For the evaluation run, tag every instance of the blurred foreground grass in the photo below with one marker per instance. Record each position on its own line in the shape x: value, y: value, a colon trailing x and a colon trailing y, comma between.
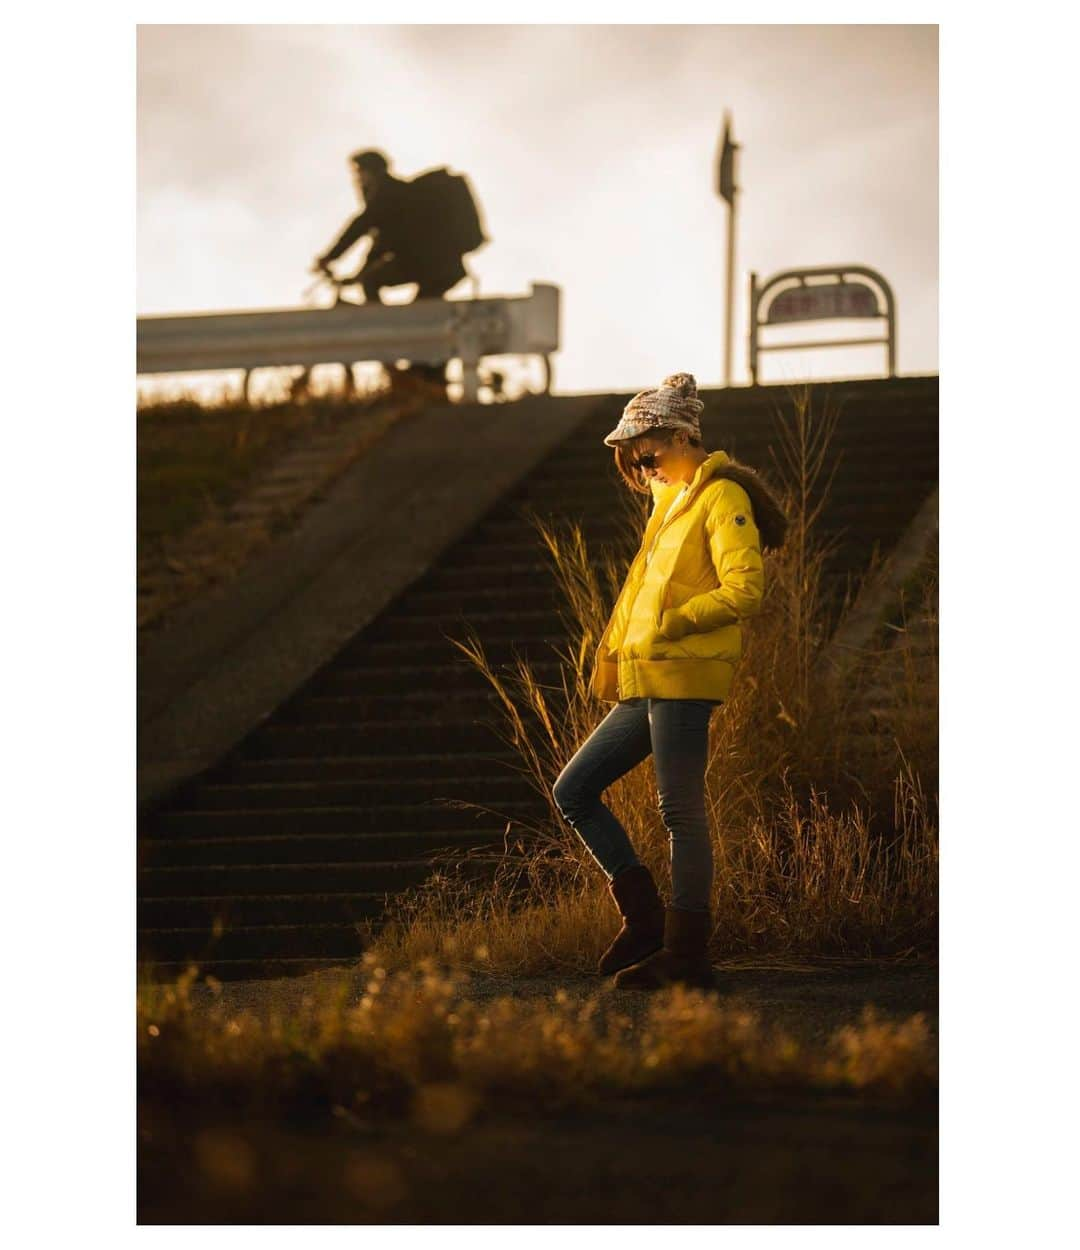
x: 421, y: 1043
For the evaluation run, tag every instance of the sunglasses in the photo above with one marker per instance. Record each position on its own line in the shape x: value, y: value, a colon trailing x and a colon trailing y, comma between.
x: 649, y: 459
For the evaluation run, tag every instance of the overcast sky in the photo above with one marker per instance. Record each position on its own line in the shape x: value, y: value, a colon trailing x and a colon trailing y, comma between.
x: 591, y: 149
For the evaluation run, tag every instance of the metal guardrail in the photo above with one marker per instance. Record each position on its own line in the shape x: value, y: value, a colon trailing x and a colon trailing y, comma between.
x: 428, y: 331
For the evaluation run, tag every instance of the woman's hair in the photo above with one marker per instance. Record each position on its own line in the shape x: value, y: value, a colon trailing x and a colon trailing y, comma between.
x: 625, y: 456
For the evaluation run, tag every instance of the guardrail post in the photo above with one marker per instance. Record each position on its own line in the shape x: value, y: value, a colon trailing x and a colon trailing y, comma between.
x: 470, y: 379
x: 468, y: 346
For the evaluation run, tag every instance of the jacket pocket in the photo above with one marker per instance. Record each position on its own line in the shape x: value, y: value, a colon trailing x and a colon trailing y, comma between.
x: 724, y: 643
x: 664, y: 603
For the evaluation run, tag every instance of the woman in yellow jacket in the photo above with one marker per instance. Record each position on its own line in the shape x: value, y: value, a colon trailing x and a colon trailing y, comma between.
x: 666, y: 659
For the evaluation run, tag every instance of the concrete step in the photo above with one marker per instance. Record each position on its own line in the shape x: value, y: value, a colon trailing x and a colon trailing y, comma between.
x: 253, y: 942
x: 448, y: 708
x: 216, y: 880
x: 498, y: 648
x: 514, y: 622
x: 374, y: 791
x: 591, y: 500
x: 490, y: 628
x: 372, y: 679
x: 419, y: 816
x: 602, y: 527
x: 592, y: 492
x: 315, y: 848
x: 527, y: 552
x: 397, y: 738
x: 352, y: 767
x: 535, y: 571
x: 494, y: 596
x: 268, y: 909
x: 167, y: 971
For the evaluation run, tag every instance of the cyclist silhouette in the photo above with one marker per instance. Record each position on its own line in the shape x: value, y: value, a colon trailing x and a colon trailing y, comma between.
x: 419, y: 229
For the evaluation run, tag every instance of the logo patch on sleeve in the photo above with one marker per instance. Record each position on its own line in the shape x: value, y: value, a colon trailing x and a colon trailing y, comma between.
x: 740, y: 519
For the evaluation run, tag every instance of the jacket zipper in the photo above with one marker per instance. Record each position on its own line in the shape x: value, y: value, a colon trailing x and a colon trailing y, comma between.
x: 671, y: 516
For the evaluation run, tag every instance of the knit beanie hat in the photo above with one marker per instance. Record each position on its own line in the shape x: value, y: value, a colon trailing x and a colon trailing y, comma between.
x: 672, y: 405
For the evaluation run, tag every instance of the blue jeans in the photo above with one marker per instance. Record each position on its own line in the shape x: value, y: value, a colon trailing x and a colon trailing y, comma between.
x: 676, y: 733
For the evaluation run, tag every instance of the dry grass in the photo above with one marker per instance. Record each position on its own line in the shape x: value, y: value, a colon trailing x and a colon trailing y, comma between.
x: 419, y: 1043
x: 197, y: 459
x: 195, y: 456
x: 825, y: 837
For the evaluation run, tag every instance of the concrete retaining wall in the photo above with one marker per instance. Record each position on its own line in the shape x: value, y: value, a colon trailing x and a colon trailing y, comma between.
x: 223, y: 663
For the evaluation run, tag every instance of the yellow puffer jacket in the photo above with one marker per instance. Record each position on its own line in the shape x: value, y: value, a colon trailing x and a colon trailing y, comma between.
x: 674, y: 631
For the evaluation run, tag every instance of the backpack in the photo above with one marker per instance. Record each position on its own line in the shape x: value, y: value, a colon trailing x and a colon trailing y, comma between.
x: 444, y: 213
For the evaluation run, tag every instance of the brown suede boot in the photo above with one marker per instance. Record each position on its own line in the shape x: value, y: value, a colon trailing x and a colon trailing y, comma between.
x: 642, y: 910
x: 684, y: 957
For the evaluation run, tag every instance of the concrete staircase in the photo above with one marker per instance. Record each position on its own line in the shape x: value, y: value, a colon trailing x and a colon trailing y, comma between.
x: 336, y: 800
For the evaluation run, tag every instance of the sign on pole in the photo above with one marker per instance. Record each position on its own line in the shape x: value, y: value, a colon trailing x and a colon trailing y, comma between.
x: 725, y: 166
x: 823, y: 303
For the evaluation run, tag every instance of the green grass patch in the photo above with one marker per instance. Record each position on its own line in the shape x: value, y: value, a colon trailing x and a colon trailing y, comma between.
x: 191, y: 457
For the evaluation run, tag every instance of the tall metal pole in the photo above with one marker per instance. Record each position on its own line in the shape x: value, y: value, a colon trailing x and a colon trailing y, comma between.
x: 727, y: 190
x: 729, y: 315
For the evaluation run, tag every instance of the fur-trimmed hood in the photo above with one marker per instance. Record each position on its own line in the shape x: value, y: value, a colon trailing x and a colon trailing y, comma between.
x: 769, y: 515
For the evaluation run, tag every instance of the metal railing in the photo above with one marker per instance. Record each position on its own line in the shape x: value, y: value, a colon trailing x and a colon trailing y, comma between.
x: 429, y: 331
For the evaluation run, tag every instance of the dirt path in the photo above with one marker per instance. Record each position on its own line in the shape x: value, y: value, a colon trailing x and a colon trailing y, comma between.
x: 810, y: 1003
